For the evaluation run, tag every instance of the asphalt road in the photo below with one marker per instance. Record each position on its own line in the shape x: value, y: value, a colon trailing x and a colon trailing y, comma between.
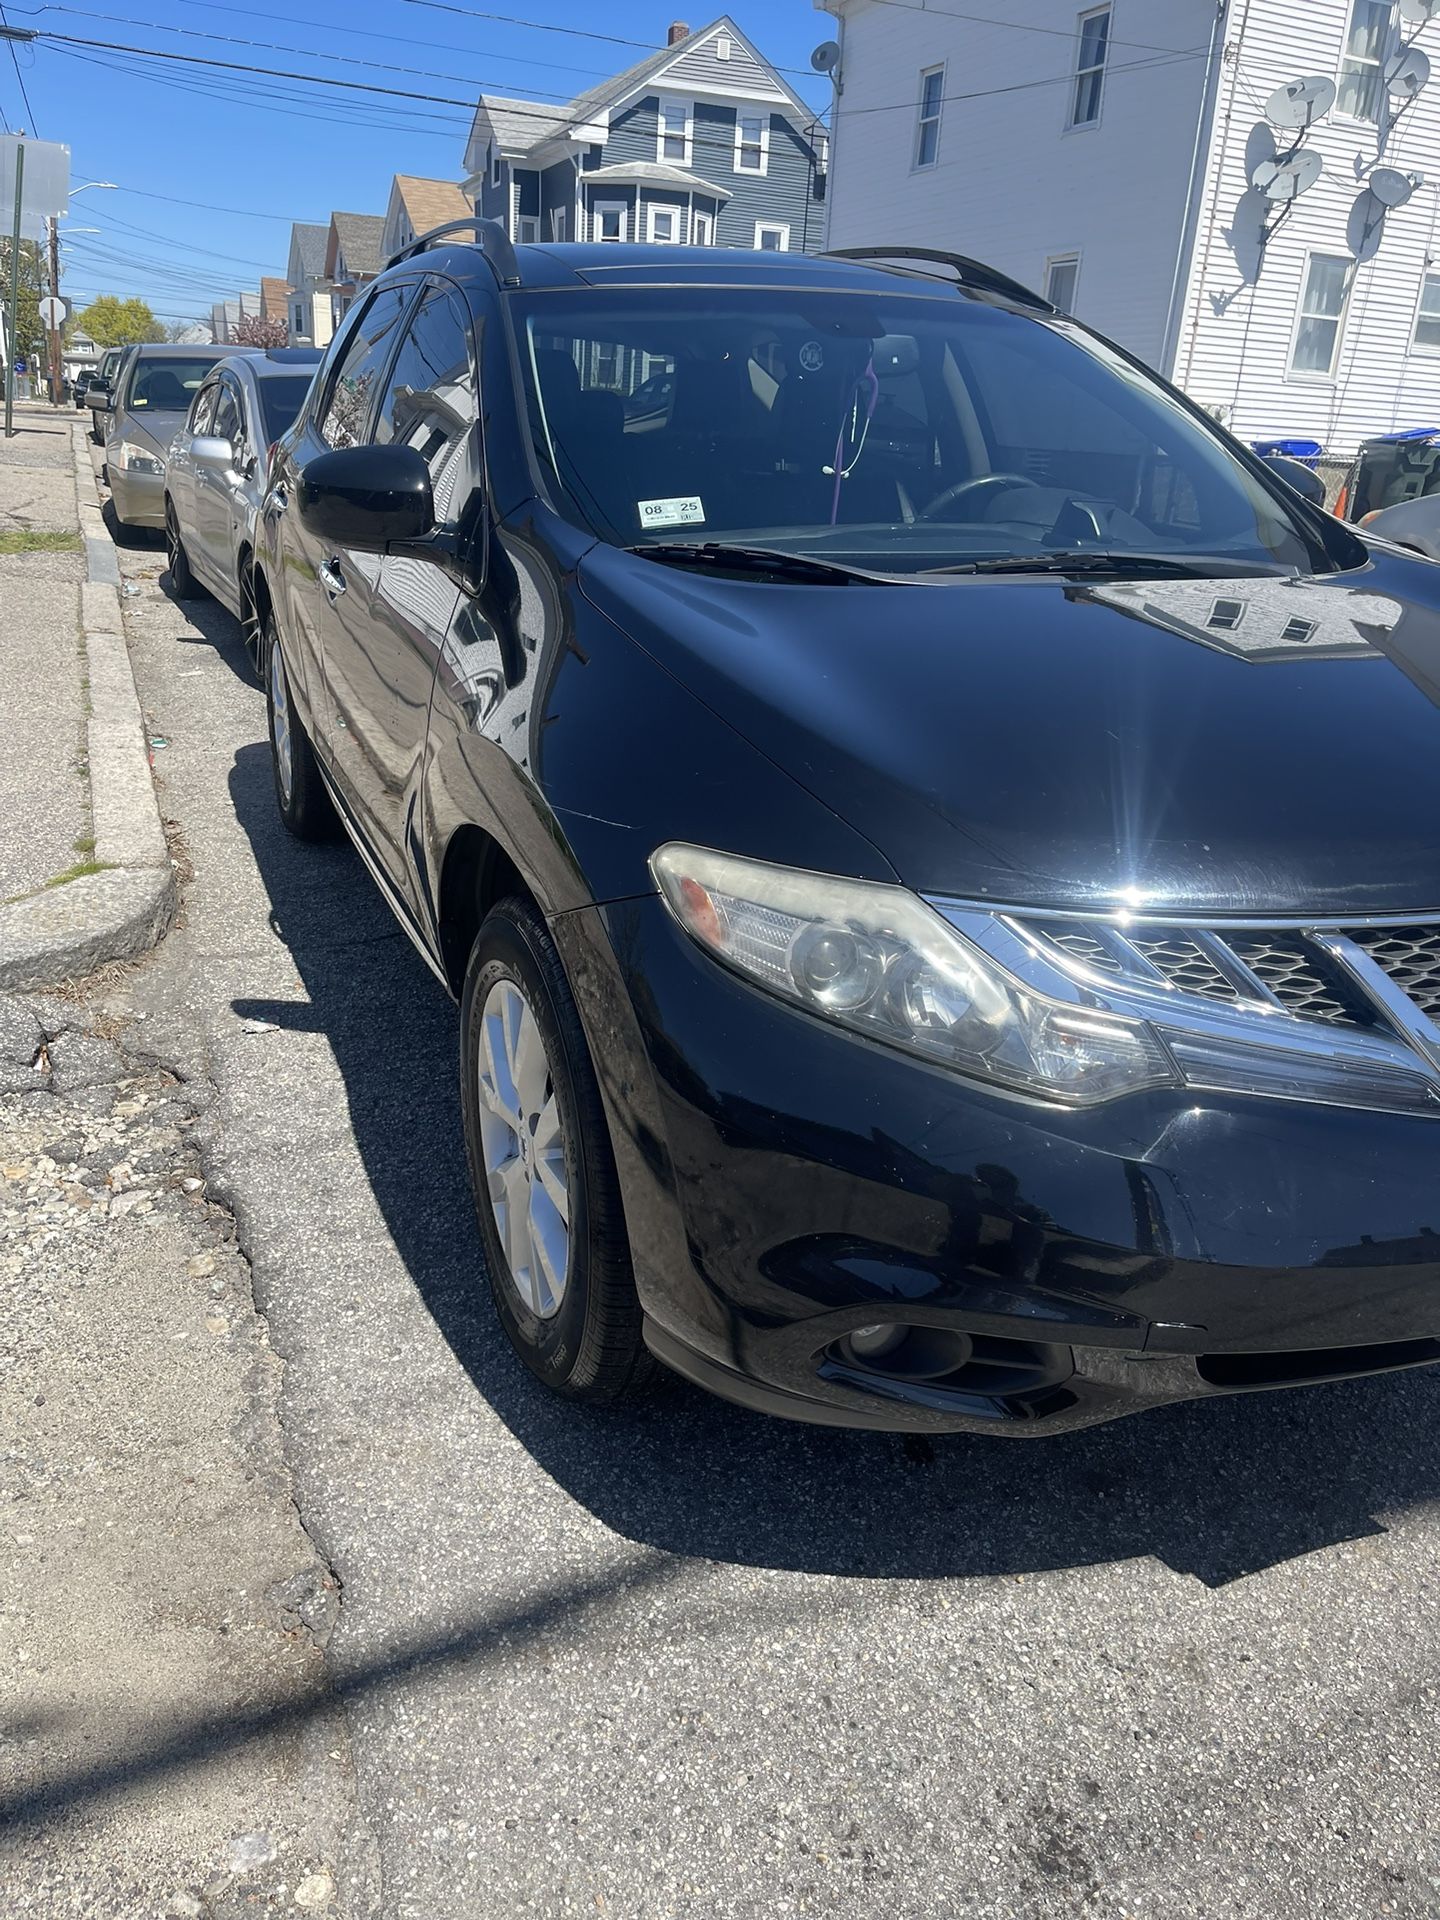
x: 685, y: 1660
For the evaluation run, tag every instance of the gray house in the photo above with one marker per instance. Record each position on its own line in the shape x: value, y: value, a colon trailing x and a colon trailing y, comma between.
x: 702, y: 143
x: 310, y: 322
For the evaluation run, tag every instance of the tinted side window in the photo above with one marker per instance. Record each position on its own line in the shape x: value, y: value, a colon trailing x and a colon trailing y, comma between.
x: 430, y: 403
x: 203, y: 411
x: 227, y: 416
x: 346, y: 416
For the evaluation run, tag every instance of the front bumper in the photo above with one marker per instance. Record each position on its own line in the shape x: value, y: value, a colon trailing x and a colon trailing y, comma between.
x: 786, y: 1184
x: 139, y: 497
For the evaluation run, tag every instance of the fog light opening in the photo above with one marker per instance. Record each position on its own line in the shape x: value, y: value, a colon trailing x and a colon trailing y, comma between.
x: 907, y: 1353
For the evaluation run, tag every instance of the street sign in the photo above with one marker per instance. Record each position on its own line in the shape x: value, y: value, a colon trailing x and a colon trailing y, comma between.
x: 46, y: 189
x: 53, y: 312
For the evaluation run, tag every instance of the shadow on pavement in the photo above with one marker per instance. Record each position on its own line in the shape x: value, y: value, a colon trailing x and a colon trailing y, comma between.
x: 1216, y: 1489
x: 130, y: 538
x: 215, y: 627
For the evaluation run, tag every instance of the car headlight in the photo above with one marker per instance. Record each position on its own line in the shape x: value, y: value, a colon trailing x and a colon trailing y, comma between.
x: 137, y: 459
x: 878, y: 960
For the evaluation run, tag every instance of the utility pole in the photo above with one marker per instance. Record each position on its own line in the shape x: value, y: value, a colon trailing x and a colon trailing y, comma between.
x: 57, y: 369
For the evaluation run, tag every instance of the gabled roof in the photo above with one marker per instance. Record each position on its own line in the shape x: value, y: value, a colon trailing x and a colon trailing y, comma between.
x: 357, y: 236
x: 430, y: 203
x: 307, y: 246
x: 519, y: 125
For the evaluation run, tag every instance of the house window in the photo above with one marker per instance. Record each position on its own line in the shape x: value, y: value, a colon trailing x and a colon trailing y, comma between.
x: 608, y: 220
x: 1226, y: 615
x: 772, y: 236
x: 1362, y: 62
x: 673, y: 133
x: 299, y: 317
x: 494, y: 166
x: 527, y: 229
x: 1062, y: 276
x: 702, y: 230
x: 927, y: 130
x: 664, y: 229
x: 752, y: 142
x: 1090, y: 67
x: 557, y: 223
x: 1297, y: 632
x: 1427, y: 318
x: 1322, y: 310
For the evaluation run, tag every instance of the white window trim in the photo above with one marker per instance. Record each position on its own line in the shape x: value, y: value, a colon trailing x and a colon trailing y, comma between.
x: 598, y: 208
x: 917, y: 165
x: 1301, y: 377
x: 688, y: 108
x: 557, y: 223
x: 1425, y: 353
x: 724, y: 46
x: 1071, y: 254
x: 527, y: 228
x: 1072, y: 125
x: 763, y: 116
x: 677, y: 215
x: 782, y: 227
x: 1391, y: 48
x: 698, y: 214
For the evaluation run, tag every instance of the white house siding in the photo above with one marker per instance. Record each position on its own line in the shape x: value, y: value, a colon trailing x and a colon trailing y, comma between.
x: 1236, y: 335
x: 1011, y: 185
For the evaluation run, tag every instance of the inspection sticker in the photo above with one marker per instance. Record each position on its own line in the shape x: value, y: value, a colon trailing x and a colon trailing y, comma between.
x: 679, y: 512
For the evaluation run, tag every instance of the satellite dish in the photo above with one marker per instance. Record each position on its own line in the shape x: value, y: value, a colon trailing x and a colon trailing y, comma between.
x: 1419, y: 13
x: 1391, y: 187
x: 826, y: 56
x: 1301, y: 103
x: 1407, y: 73
x: 1282, y: 181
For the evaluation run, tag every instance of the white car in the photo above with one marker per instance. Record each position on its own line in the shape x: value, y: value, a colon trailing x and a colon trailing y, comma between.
x: 215, y: 473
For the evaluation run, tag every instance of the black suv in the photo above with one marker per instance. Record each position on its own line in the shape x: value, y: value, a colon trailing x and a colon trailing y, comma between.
x: 935, y: 843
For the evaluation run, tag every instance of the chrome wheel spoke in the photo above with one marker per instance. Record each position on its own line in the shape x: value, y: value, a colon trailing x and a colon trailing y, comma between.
x: 524, y: 1149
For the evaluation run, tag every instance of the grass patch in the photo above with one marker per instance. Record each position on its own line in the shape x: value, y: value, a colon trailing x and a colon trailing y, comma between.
x: 85, y: 844
x: 28, y: 540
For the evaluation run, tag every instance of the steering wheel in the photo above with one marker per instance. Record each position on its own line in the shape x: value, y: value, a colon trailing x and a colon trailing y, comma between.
x: 973, y: 485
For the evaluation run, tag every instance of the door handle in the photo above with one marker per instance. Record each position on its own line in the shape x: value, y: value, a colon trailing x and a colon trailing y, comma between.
x: 331, y: 579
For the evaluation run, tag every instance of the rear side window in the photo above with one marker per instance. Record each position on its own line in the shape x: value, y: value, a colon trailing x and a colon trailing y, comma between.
x: 345, y: 421
x: 430, y: 401
x: 203, y: 411
x: 227, y: 416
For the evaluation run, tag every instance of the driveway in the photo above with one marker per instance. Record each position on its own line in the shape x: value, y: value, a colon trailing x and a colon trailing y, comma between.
x: 685, y: 1660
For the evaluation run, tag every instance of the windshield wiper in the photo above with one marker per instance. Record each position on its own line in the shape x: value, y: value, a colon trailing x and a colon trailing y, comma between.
x: 780, y: 566
x: 1203, y: 567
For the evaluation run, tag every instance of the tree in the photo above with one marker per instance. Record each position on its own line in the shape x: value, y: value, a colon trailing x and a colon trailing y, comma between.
x: 112, y: 322
x: 186, y: 333
x: 256, y: 330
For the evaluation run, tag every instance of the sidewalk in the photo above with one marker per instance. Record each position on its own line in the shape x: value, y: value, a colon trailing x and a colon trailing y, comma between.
x: 85, y: 874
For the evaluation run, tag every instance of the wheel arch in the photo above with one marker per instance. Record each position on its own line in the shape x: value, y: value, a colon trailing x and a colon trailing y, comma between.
x: 475, y: 873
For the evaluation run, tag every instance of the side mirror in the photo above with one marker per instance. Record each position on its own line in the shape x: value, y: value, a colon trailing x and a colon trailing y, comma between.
x: 216, y: 455
x: 99, y: 396
x: 1303, y: 479
x: 366, y: 497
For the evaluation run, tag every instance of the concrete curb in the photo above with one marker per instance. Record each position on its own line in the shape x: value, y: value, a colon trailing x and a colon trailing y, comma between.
x: 66, y: 931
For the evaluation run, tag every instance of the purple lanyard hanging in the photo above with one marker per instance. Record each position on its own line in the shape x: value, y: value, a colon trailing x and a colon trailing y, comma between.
x: 869, y: 379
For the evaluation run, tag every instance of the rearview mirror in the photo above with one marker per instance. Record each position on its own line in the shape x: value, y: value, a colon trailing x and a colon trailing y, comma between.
x: 1303, y: 479
x: 366, y: 497
x: 210, y: 451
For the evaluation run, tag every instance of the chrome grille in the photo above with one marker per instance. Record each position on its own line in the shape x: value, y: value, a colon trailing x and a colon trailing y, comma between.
x: 1411, y: 957
x: 1298, y: 970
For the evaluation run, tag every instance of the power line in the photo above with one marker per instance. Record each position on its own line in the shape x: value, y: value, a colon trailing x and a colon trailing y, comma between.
x: 15, y: 62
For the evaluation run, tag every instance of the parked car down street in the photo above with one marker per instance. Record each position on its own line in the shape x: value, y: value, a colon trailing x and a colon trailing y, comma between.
x: 216, y: 469
x: 874, y: 1005
x: 102, y: 382
x: 143, y: 411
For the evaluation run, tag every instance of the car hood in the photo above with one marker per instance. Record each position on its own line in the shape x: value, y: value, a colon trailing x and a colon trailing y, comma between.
x: 1229, y: 745
x: 155, y: 430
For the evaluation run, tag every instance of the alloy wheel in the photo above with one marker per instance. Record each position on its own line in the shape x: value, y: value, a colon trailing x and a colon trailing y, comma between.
x: 523, y: 1141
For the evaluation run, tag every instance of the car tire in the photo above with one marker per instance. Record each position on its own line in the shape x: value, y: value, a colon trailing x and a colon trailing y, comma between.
x: 183, y: 583
x: 300, y: 792
x: 95, y: 434
x: 580, y: 1333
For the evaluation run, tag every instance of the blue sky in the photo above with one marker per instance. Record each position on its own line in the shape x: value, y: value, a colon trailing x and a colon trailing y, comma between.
x: 168, y: 133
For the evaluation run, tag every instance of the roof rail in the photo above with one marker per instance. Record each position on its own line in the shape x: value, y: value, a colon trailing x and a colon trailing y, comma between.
x: 490, y: 237
x: 970, y: 273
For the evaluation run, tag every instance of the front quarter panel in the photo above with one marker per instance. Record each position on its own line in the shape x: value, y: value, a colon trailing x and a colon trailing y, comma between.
x: 580, y: 755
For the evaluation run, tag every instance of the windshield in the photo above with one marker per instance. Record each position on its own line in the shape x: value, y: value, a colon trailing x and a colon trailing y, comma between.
x: 281, y: 397
x: 167, y: 386
x: 902, y: 434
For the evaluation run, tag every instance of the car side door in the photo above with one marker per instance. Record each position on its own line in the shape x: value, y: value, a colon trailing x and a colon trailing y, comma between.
x: 180, y: 470
x: 329, y: 591
x: 218, y: 495
x: 430, y: 404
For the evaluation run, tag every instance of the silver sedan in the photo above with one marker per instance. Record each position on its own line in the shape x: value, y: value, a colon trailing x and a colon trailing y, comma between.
x: 215, y: 474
